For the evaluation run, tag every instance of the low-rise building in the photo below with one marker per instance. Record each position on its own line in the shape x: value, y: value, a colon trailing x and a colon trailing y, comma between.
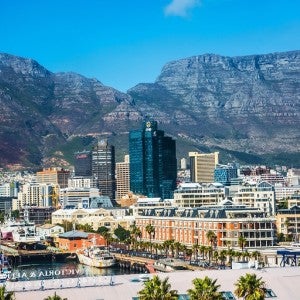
x: 195, y: 194
x: 110, y: 218
x: 227, y: 220
x: 77, y: 240
x: 288, y: 221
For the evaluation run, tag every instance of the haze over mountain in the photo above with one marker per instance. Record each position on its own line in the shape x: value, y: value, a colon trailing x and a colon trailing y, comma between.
x: 244, y: 106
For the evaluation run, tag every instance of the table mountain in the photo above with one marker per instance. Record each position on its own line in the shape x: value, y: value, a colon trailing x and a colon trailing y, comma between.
x: 246, y: 104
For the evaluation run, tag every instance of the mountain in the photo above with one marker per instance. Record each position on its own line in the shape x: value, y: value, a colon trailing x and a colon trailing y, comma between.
x: 246, y: 107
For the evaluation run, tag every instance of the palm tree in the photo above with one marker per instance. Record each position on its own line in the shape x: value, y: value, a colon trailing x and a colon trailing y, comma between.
x: 5, y: 295
x: 250, y: 287
x: 212, y: 238
x: 151, y: 231
x: 205, y: 289
x: 54, y: 297
x: 242, y: 242
x: 157, y: 289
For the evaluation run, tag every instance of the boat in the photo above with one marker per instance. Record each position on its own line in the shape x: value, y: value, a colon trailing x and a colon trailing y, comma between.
x: 169, y: 265
x: 96, y: 256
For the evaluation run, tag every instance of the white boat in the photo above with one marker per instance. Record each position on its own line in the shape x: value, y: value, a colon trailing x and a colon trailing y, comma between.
x: 169, y: 265
x: 97, y: 257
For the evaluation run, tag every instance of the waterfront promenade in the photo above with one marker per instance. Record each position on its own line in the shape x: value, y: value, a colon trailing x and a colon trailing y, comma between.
x: 283, y: 281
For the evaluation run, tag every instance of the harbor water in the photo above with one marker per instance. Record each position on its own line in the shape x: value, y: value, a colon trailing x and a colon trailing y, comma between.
x: 56, y: 270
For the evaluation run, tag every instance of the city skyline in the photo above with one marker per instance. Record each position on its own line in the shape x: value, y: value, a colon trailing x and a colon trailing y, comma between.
x: 125, y: 43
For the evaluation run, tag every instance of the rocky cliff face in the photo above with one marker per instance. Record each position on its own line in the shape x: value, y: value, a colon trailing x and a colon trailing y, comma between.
x: 247, y: 104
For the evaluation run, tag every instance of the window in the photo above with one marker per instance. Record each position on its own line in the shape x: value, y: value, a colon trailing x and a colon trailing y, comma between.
x: 227, y: 295
x: 270, y: 294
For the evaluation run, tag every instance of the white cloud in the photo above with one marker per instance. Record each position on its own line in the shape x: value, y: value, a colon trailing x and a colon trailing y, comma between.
x: 180, y: 7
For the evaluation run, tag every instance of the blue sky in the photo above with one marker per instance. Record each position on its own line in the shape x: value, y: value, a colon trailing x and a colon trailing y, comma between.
x: 123, y: 42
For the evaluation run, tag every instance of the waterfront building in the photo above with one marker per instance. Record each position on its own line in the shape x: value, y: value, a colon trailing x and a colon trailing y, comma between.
x: 49, y: 230
x: 153, y: 164
x: 202, y: 166
x: 103, y: 168
x: 83, y: 163
x: 54, y: 176
x: 225, y: 173
x: 261, y: 195
x: 195, y: 194
x: 288, y: 222
x: 227, y: 220
x: 77, y: 240
x: 122, y: 178
x: 37, y: 215
x: 110, y: 218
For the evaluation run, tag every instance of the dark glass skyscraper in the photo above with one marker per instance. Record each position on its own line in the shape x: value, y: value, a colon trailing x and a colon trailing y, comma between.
x: 153, y: 165
x: 83, y: 163
x: 103, y: 168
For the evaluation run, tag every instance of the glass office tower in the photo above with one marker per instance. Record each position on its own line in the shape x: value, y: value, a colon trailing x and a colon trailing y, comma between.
x: 153, y: 165
x: 103, y: 168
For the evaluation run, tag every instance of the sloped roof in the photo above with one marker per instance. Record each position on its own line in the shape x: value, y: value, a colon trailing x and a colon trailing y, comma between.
x: 74, y: 234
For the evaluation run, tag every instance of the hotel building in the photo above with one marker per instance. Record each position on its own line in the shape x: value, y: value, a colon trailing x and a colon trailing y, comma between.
x: 196, y: 195
x: 227, y: 220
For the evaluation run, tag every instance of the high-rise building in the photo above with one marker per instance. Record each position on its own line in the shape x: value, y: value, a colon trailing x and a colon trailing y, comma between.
x: 122, y: 178
x: 202, y: 166
x: 103, y: 168
x: 54, y: 176
x: 153, y: 165
x: 83, y: 163
x: 225, y: 173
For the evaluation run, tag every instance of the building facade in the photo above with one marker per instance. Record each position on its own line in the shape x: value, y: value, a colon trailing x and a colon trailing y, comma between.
x: 153, y: 164
x: 202, y: 166
x: 103, y: 168
x: 54, y: 176
x: 196, y: 195
x: 225, y: 173
x: 228, y: 222
x: 122, y: 178
x: 83, y: 163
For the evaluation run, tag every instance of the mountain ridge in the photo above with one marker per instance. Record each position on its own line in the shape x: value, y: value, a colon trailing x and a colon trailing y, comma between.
x: 245, y: 104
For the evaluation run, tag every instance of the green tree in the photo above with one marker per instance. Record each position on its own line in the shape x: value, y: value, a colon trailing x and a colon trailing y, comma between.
x: 157, y: 289
x: 5, y: 295
x: 205, y: 289
x: 122, y: 233
x: 242, y: 242
x: 150, y: 229
x: 104, y: 231
x: 250, y: 287
x: 212, y: 238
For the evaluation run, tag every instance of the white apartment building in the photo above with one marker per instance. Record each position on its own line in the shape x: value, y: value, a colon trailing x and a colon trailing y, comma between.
x: 77, y: 196
x: 36, y: 194
x: 110, y: 218
x: 196, y: 195
x: 261, y: 195
x: 79, y: 182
